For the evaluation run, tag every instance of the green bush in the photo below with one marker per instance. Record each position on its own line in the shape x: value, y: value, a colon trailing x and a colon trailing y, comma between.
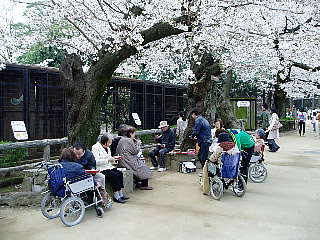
x: 146, y: 139
x: 12, y: 157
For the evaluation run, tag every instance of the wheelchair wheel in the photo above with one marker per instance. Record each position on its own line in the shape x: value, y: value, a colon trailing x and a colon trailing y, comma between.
x: 258, y: 173
x: 216, y: 188
x: 239, y: 187
x: 99, y: 211
x: 50, y: 206
x: 72, y: 211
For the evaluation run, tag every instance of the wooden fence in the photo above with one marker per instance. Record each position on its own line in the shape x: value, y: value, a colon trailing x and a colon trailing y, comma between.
x: 46, y: 143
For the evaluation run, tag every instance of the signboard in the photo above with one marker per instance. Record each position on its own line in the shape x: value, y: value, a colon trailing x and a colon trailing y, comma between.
x: 136, y: 119
x: 19, y: 130
x: 243, y: 103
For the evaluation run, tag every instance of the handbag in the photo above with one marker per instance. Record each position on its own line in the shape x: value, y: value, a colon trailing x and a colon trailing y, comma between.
x: 277, y: 125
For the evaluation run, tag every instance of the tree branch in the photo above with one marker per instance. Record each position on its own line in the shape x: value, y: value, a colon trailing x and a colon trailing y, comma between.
x: 102, y: 9
x: 295, y: 29
x: 83, y: 33
x: 305, y: 67
x: 158, y: 31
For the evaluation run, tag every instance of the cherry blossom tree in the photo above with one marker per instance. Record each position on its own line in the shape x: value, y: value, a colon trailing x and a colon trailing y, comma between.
x: 195, y: 39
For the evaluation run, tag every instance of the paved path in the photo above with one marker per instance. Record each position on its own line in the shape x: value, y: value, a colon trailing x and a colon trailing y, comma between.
x: 285, y: 206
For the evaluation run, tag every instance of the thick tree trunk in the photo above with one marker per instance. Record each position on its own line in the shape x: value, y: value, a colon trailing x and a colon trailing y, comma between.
x: 202, y: 94
x: 84, y: 92
x: 279, y: 97
x: 225, y: 107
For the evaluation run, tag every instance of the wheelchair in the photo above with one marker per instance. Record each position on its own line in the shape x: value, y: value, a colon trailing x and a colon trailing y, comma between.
x: 69, y: 199
x: 225, y: 174
x: 257, y: 170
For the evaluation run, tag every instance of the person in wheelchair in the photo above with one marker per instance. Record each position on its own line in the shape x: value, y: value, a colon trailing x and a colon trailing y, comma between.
x: 225, y: 145
x: 72, y: 169
x: 260, y: 135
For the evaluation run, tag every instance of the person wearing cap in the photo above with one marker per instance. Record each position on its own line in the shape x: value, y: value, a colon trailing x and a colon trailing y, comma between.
x: 167, y: 139
x: 265, y: 116
x: 201, y: 132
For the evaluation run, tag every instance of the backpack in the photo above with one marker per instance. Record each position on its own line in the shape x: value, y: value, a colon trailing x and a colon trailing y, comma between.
x: 301, y: 118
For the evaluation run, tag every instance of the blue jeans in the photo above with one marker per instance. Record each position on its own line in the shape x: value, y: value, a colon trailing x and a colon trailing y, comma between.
x: 203, y: 152
x: 272, y: 145
x: 314, y: 127
x: 161, y: 153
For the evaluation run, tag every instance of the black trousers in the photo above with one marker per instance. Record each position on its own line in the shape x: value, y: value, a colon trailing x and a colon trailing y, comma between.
x: 115, y: 177
x: 302, y: 126
x: 144, y: 182
x: 246, y: 156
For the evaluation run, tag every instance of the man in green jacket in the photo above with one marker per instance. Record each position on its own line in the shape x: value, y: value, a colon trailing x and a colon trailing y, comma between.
x: 265, y: 116
x: 246, y: 143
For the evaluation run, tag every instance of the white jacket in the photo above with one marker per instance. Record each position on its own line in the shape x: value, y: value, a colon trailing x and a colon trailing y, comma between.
x: 102, y: 156
x: 273, y: 134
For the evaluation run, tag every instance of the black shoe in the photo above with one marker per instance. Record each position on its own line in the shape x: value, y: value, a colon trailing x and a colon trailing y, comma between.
x: 277, y: 149
x: 120, y: 200
x: 124, y: 197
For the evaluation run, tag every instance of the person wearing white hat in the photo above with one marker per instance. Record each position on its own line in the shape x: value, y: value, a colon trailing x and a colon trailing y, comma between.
x: 167, y: 139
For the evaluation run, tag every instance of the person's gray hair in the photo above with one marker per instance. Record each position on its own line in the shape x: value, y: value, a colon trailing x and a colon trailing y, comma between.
x: 261, y: 133
x: 105, y: 137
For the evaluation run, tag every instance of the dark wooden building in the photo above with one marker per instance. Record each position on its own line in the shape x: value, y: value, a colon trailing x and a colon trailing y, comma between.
x: 35, y: 95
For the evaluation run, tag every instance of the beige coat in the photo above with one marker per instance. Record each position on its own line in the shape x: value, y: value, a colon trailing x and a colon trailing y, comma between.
x: 128, y: 150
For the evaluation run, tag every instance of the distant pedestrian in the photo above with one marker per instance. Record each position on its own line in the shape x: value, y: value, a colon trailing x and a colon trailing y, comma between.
x: 318, y: 119
x: 265, y: 116
x: 273, y: 133
x: 314, y: 121
x: 302, y: 122
x: 181, y: 126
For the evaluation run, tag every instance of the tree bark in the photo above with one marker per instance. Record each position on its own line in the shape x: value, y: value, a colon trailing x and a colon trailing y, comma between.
x: 202, y: 95
x: 225, y: 107
x: 84, y: 91
x: 279, y: 96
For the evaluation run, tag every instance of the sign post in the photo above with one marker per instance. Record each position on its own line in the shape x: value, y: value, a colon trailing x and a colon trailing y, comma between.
x: 19, y: 130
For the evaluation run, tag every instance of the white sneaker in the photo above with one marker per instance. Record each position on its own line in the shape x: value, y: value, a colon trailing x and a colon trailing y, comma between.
x: 153, y: 168
x: 200, y: 174
x: 162, y: 169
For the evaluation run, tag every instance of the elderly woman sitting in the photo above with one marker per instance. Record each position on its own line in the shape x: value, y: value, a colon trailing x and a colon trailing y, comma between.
x: 104, y: 160
x: 128, y: 148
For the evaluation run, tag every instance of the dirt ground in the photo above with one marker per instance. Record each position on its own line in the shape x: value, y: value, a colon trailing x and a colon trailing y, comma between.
x: 285, y: 206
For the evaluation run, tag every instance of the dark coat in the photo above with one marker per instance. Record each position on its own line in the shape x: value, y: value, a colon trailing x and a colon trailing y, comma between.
x: 87, y: 160
x: 72, y: 169
x: 114, y: 145
x: 168, y: 138
x: 202, y: 130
